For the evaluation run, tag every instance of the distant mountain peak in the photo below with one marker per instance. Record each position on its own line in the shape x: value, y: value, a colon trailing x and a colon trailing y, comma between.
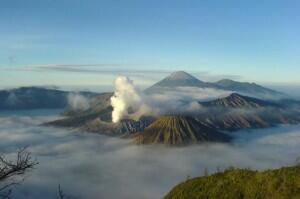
x: 225, y: 81
x: 184, y: 79
x: 181, y: 75
x: 179, y: 79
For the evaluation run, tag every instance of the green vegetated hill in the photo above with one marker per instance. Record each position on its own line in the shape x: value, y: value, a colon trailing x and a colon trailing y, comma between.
x: 281, y: 183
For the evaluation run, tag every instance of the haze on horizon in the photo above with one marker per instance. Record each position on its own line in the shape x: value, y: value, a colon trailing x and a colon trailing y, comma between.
x: 72, y: 43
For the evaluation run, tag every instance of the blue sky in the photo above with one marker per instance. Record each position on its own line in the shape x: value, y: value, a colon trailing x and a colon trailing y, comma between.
x: 248, y: 40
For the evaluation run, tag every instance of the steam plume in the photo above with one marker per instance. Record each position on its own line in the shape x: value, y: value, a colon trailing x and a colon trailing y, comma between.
x: 126, y: 96
x: 78, y: 102
x: 129, y: 102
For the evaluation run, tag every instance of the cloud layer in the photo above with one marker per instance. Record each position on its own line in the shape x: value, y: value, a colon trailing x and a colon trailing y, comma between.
x: 77, y: 101
x: 93, y: 166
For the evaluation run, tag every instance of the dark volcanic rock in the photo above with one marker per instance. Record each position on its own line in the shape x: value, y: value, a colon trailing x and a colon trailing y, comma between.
x: 122, y: 128
x: 238, y: 101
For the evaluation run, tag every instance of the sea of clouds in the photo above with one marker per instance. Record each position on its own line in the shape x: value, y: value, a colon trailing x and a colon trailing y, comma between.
x: 92, y: 166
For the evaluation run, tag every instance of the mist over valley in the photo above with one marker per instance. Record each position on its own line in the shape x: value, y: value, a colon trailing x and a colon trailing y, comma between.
x: 91, y: 166
x: 142, y: 143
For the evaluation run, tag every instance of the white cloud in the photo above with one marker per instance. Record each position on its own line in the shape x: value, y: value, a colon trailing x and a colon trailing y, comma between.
x: 94, y: 166
x: 78, y: 102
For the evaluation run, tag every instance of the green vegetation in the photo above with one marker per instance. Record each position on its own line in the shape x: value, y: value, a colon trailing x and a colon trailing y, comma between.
x: 282, y: 183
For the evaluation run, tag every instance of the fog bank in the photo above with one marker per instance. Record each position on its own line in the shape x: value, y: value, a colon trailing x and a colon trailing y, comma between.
x: 91, y: 166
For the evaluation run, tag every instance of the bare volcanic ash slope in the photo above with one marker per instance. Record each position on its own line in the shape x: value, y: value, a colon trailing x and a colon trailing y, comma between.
x: 179, y: 130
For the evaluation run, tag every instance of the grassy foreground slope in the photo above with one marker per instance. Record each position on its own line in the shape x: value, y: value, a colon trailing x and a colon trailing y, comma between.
x: 282, y: 183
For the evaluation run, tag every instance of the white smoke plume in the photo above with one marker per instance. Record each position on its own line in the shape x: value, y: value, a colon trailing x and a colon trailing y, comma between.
x: 129, y: 102
x: 126, y: 96
x: 78, y: 102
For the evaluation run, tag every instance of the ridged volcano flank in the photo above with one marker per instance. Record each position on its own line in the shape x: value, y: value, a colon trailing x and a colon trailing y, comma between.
x: 178, y: 130
x: 239, y: 101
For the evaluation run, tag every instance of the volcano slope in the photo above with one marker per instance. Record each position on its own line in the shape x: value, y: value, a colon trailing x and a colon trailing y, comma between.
x: 179, y: 130
x: 237, y: 112
x: 97, y: 119
x: 231, y: 113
